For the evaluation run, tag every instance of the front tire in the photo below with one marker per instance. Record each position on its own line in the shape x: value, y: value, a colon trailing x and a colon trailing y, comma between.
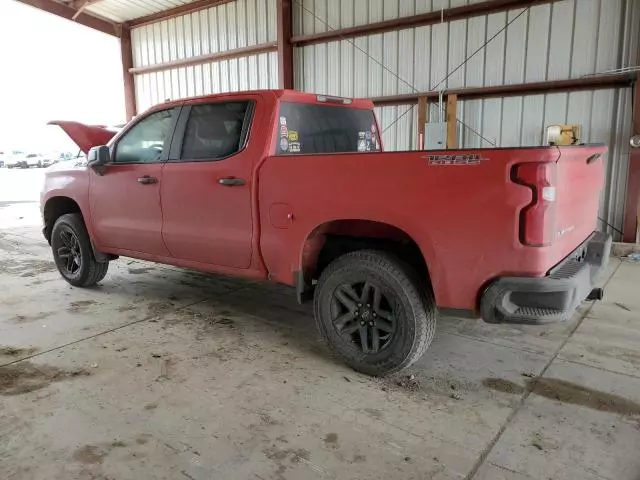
x: 373, y: 311
x: 73, y: 253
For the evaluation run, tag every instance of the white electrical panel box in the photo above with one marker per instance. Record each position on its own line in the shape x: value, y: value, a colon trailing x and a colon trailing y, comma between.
x: 435, y: 136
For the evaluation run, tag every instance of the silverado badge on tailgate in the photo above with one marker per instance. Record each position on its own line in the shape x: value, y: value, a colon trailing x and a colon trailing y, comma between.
x: 473, y: 159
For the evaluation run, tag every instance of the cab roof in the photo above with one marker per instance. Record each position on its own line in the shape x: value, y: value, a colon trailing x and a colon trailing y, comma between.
x: 282, y: 94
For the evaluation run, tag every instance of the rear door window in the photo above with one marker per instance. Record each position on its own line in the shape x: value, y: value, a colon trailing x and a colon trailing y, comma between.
x: 313, y: 128
x: 216, y: 131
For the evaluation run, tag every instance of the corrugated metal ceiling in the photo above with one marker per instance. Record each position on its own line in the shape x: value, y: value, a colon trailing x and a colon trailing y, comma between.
x: 124, y: 10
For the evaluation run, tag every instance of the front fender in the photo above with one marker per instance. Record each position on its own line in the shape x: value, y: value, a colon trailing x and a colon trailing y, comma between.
x: 72, y: 184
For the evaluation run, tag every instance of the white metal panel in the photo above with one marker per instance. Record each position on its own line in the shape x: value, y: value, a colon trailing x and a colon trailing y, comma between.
x: 217, y: 29
x: 538, y: 38
x: 123, y: 10
x: 543, y: 42
x: 398, y: 127
x: 232, y: 25
x: 420, y: 51
x: 561, y: 39
x: 362, y: 12
x: 252, y: 72
x: 457, y: 54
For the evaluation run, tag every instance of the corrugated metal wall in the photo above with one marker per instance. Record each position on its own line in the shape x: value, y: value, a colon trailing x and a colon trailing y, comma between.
x: 545, y: 42
x: 565, y: 39
x: 233, y: 25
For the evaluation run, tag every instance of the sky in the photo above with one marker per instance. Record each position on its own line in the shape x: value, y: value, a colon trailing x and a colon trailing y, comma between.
x: 54, y: 69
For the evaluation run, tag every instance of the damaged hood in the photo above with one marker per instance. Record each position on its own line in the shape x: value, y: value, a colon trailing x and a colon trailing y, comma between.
x: 86, y: 136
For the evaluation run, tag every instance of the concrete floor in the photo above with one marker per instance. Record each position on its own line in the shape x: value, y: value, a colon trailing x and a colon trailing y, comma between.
x: 161, y: 373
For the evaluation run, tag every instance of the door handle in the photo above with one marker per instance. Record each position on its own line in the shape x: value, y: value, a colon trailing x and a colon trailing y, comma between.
x: 231, y: 181
x: 147, y: 180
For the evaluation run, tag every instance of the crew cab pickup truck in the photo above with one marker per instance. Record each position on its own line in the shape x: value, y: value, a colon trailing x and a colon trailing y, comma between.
x: 294, y: 188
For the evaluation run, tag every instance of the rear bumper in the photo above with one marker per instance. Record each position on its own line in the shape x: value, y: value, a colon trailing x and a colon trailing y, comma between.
x: 551, y: 298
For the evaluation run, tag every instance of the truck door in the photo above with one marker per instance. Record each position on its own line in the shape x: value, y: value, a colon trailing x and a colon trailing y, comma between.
x: 206, y: 188
x: 125, y: 199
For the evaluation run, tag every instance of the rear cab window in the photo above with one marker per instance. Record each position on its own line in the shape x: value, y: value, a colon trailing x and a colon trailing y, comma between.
x: 307, y: 128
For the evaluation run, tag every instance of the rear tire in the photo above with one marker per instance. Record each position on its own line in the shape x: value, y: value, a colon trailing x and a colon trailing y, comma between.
x: 73, y: 253
x: 373, y: 311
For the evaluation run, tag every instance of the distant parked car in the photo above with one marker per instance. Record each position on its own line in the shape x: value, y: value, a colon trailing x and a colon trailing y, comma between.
x: 16, y: 159
x: 36, y: 160
x: 49, y: 160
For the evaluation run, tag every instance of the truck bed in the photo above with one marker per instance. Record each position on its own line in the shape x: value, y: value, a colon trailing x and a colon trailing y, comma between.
x: 462, y: 208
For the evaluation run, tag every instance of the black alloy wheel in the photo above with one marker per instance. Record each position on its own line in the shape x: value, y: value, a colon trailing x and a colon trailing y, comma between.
x: 374, y: 311
x: 68, y: 255
x: 365, y: 315
x: 73, y: 252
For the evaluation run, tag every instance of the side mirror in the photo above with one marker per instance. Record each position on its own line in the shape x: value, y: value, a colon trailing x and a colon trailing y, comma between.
x: 98, y: 157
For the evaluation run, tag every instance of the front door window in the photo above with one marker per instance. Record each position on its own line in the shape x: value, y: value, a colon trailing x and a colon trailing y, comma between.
x: 147, y: 141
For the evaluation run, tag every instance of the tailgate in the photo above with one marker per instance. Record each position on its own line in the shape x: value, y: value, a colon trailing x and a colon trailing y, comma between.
x: 580, y: 178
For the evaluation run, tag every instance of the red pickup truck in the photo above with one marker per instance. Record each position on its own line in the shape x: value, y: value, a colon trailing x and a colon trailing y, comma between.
x: 295, y: 188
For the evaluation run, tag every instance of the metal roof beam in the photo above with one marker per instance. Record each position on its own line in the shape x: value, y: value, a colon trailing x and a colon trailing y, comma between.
x: 431, y: 18
x: 65, y: 11
x: 78, y: 4
x: 207, y: 58
x: 592, y: 82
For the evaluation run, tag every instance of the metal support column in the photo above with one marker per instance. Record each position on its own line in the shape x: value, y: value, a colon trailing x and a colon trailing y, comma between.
x: 632, y: 205
x: 127, y: 63
x: 285, y: 48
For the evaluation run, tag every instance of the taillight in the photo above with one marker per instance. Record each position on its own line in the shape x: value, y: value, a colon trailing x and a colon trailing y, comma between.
x: 538, y: 219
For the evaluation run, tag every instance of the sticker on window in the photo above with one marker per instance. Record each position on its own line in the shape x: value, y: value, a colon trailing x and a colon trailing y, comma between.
x: 361, y: 135
x: 284, y: 144
x: 294, y: 147
x: 362, y: 145
x: 283, y: 120
x: 293, y: 136
x: 283, y: 130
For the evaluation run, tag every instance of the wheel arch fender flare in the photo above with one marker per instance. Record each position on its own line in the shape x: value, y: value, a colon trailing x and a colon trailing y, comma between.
x: 355, y: 234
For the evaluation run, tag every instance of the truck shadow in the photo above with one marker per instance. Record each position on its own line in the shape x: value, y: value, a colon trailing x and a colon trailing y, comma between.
x: 203, y: 304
